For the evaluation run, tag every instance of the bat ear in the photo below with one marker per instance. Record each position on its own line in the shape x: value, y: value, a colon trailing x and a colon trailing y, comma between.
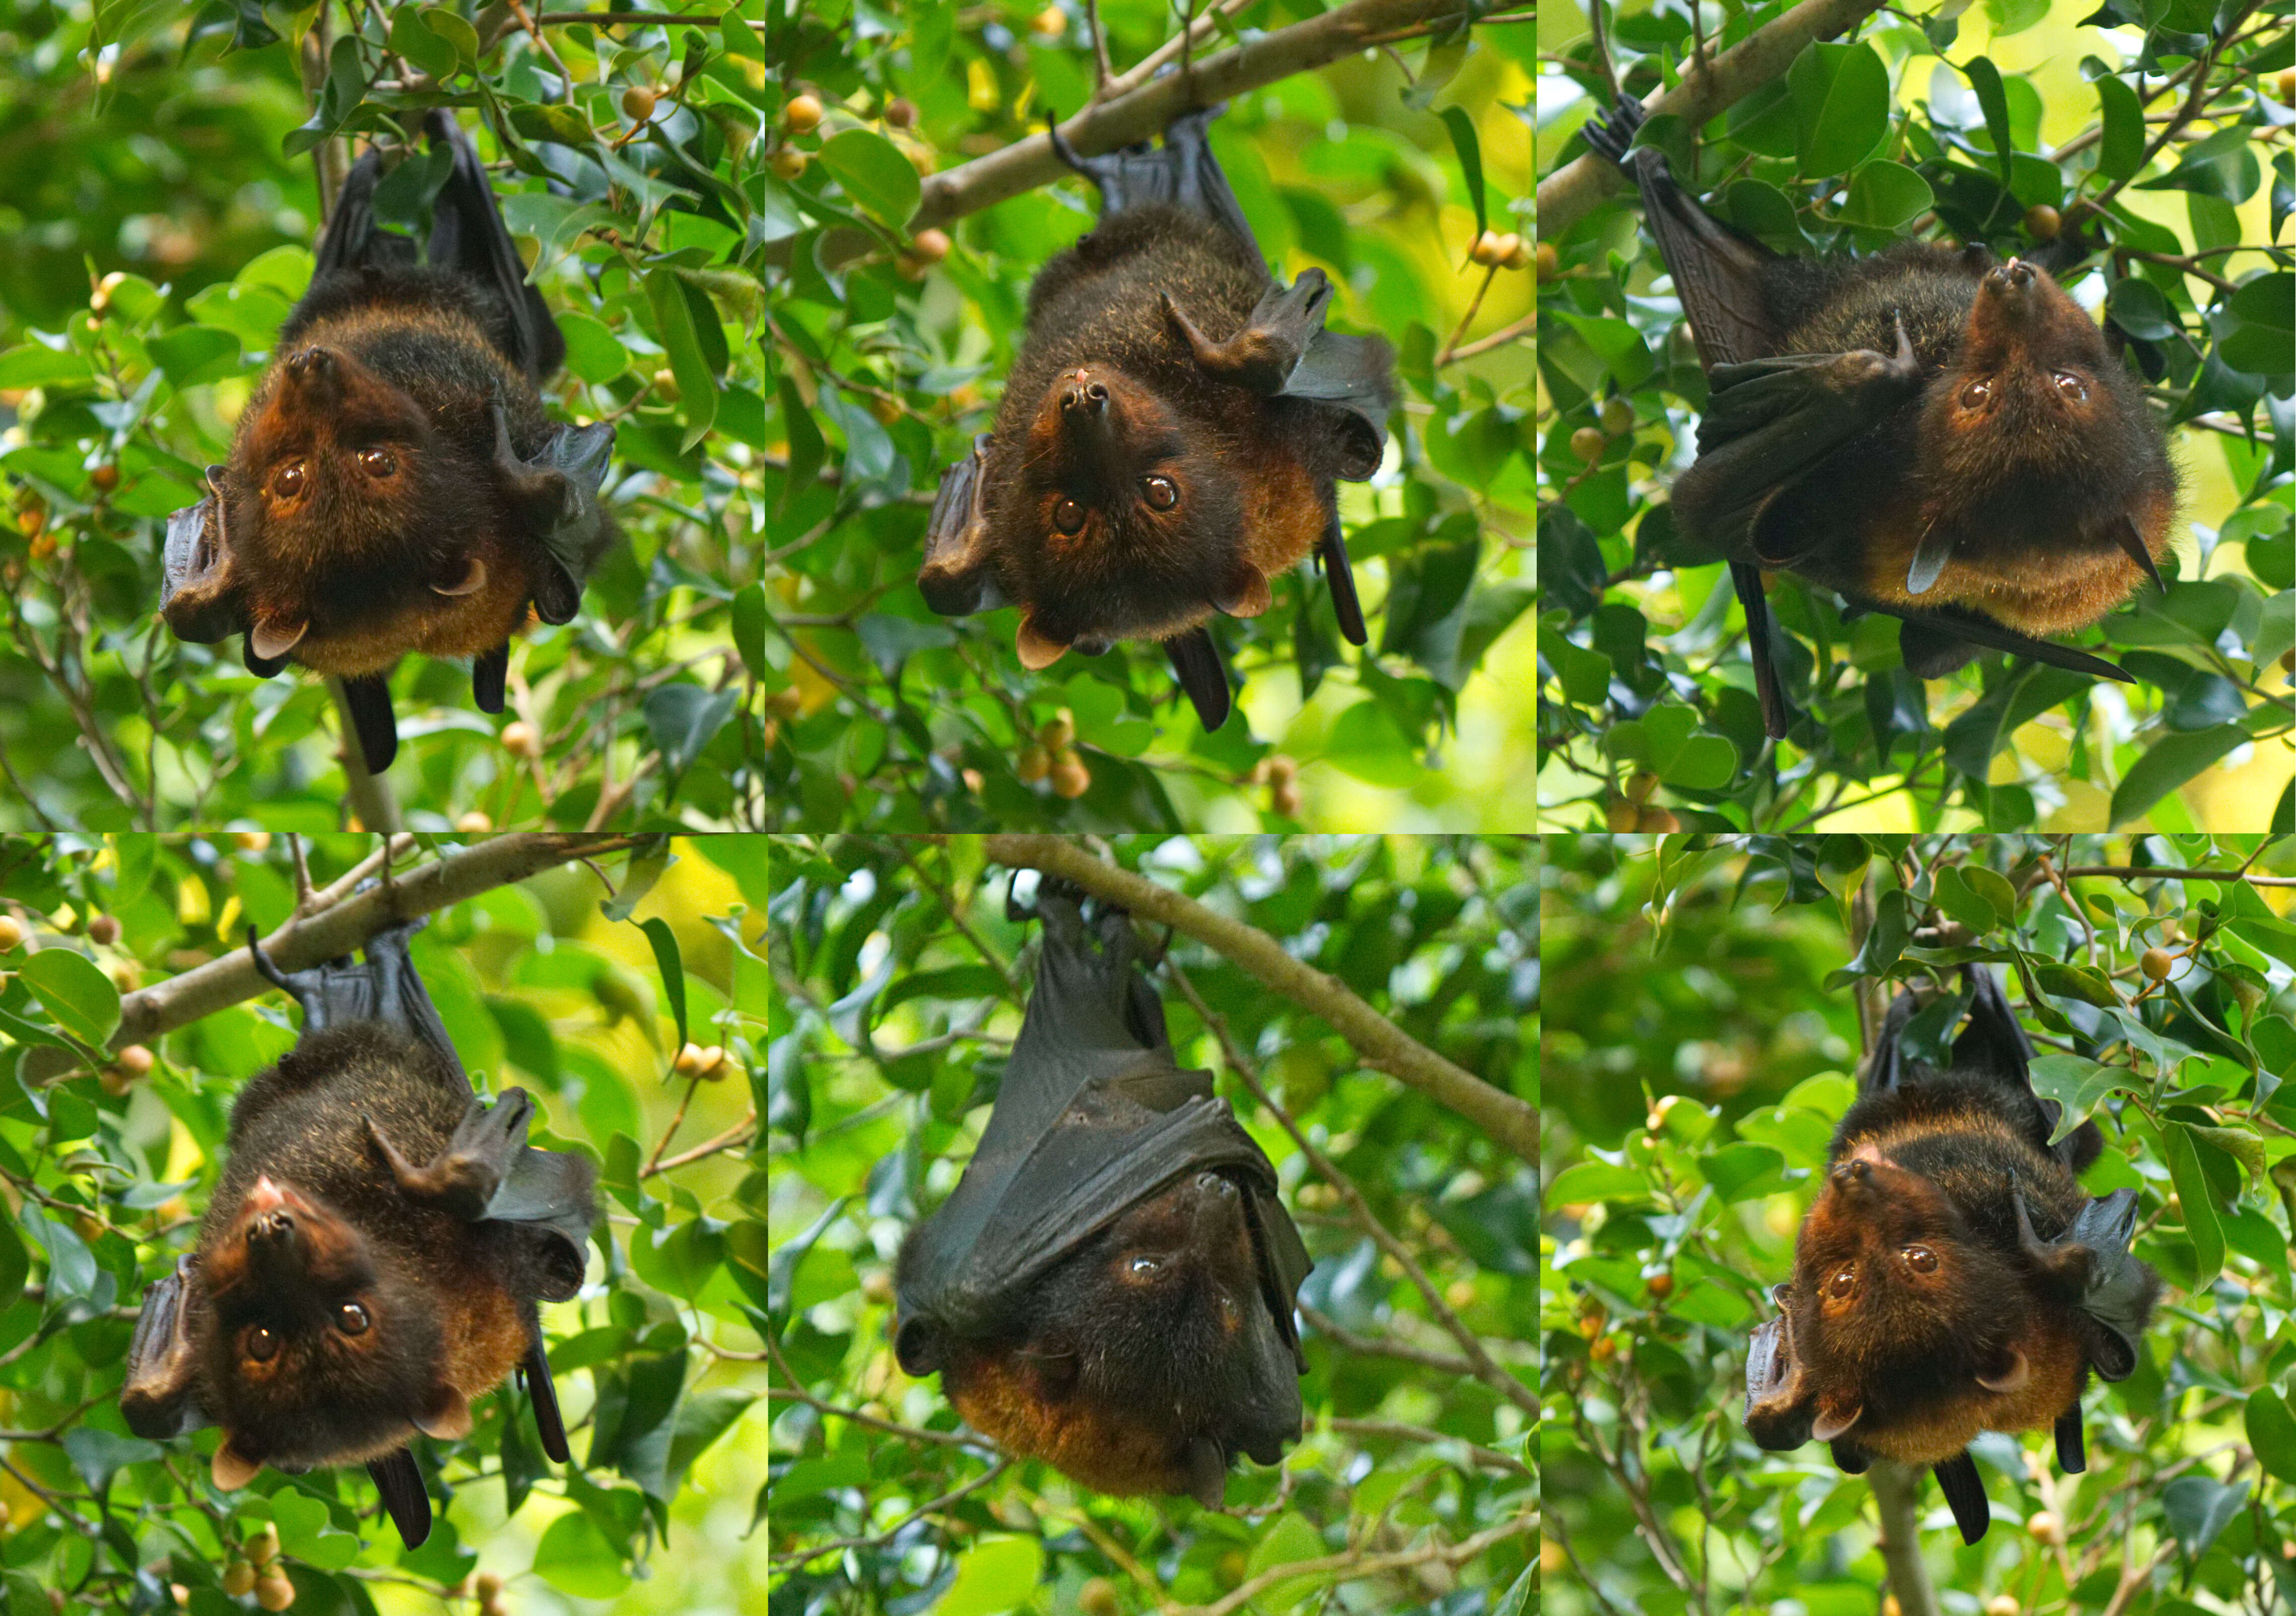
x: 1038, y: 651
x: 1829, y: 1426
x: 448, y: 1416
x: 2011, y: 1378
x: 1245, y: 592
x: 232, y: 1469
x: 270, y: 639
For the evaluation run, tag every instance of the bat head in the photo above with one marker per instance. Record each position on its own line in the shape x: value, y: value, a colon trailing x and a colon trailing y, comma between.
x: 1123, y: 517
x: 1893, y: 1298
x: 327, y: 520
x: 315, y: 1352
x: 2036, y: 433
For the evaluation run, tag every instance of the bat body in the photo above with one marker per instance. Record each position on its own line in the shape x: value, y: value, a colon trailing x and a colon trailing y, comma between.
x: 1170, y: 436
x: 1928, y: 433
x: 394, y: 483
x: 1110, y: 1286
x: 1952, y: 1276
x: 372, y: 1257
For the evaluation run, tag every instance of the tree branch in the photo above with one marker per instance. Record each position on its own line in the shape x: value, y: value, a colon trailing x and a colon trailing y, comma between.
x: 1142, y: 113
x: 1573, y: 192
x: 1896, y: 1499
x: 1381, y: 1044
x: 343, y: 927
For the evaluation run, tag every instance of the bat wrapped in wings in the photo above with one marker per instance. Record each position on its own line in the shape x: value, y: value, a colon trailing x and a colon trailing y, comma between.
x: 1952, y: 1276
x: 1110, y: 1285
x: 394, y: 483
x: 1929, y: 433
x: 373, y: 1254
x: 1170, y: 432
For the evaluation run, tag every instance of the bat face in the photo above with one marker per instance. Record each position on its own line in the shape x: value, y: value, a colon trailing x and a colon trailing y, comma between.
x: 1127, y: 523
x: 313, y: 1355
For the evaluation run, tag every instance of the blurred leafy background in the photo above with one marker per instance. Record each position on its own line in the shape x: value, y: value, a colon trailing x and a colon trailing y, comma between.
x: 888, y: 354
x: 899, y: 985
x: 1865, y: 140
x: 1700, y: 1040
x: 106, y: 1163
x: 157, y: 208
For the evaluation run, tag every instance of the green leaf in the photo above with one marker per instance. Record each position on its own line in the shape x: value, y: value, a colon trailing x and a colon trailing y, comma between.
x: 413, y: 38
x: 98, y: 1455
x: 2197, y: 1508
x: 873, y: 173
x: 1884, y: 943
x: 1592, y: 1181
x: 673, y: 971
x: 78, y: 997
x: 1885, y: 196
x: 2264, y: 342
x: 1985, y: 78
x: 307, y: 1531
x: 1471, y: 160
x: 1742, y: 1170
x: 33, y: 365
x: 2172, y: 760
x: 697, y: 387
x: 1841, y: 106
x: 999, y: 1574
x: 809, y: 451
x: 1954, y: 895
x: 2083, y: 982
x: 2198, y: 1201
x: 192, y: 354
x: 750, y: 628
x: 2272, y: 1433
x: 593, y: 351
x: 2120, y: 152
x: 683, y: 718
x: 574, y: 1557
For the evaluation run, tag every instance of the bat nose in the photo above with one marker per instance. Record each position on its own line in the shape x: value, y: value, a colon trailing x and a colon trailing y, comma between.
x: 273, y: 1228
x: 309, y: 363
x: 1086, y: 394
x: 1217, y: 1184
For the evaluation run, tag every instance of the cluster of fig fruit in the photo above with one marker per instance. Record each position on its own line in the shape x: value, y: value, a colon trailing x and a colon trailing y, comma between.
x: 1053, y: 756
x: 1495, y: 250
x: 1281, y: 776
x: 706, y: 1062
x: 1617, y: 418
x: 1633, y: 812
x: 255, y: 1569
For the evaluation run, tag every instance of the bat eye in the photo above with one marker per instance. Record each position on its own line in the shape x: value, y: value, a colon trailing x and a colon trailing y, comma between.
x: 262, y: 1345
x: 1143, y: 1266
x: 1921, y: 1259
x: 377, y: 463
x: 2075, y: 390
x: 287, y: 481
x: 1844, y: 1281
x: 351, y: 1319
x: 1977, y: 395
x: 1068, y: 516
x: 1159, y: 492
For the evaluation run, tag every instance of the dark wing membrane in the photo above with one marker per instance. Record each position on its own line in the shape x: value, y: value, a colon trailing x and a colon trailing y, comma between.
x: 467, y: 234
x: 1182, y: 172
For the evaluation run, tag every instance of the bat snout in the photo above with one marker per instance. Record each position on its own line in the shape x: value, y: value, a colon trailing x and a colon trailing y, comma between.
x: 1084, y: 395
x: 315, y: 374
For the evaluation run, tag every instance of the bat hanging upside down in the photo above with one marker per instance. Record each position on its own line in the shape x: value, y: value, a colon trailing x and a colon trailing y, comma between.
x: 372, y: 1259
x: 1952, y: 1277
x: 1110, y: 1287
x: 1169, y: 435
x: 394, y: 484
x: 1927, y: 432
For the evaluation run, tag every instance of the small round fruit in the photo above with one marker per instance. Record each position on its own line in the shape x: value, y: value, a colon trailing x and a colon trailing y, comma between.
x: 1618, y: 417
x: 1071, y: 778
x: 901, y: 112
x: 251, y: 841
x: 1603, y: 1349
x: 1051, y: 22
x: 1661, y: 1285
x: 2045, y: 1527
x: 1506, y: 247
x: 1891, y: 1607
x: 1057, y: 733
x: 1284, y: 800
x: 116, y: 1083
x: 1619, y: 815
x: 103, y: 479
x: 2043, y: 222
x: 2002, y: 1604
x: 136, y: 1061
x: 637, y: 104
x: 1519, y: 259
x: 43, y: 546
x: 520, y: 738
x: 30, y: 521
x: 1033, y: 764
x: 104, y: 929
x: 1485, y: 250
x: 2288, y: 86
x: 665, y: 383
x: 789, y: 162
x: 490, y: 1587
x: 1549, y: 262
x: 1640, y: 784
x: 1280, y: 768
x: 1657, y: 820
x: 1588, y: 443
x: 263, y: 1547
x: 274, y: 1592
x: 2156, y: 964
x: 1097, y: 1597
x: 475, y: 823
x: 929, y: 246
x: 238, y: 1578
x: 1592, y: 1322
x: 802, y: 115
x: 11, y: 933
x: 786, y: 703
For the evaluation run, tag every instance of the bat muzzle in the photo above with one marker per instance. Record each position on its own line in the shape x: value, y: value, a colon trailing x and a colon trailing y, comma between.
x: 314, y: 378
x: 196, y: 596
